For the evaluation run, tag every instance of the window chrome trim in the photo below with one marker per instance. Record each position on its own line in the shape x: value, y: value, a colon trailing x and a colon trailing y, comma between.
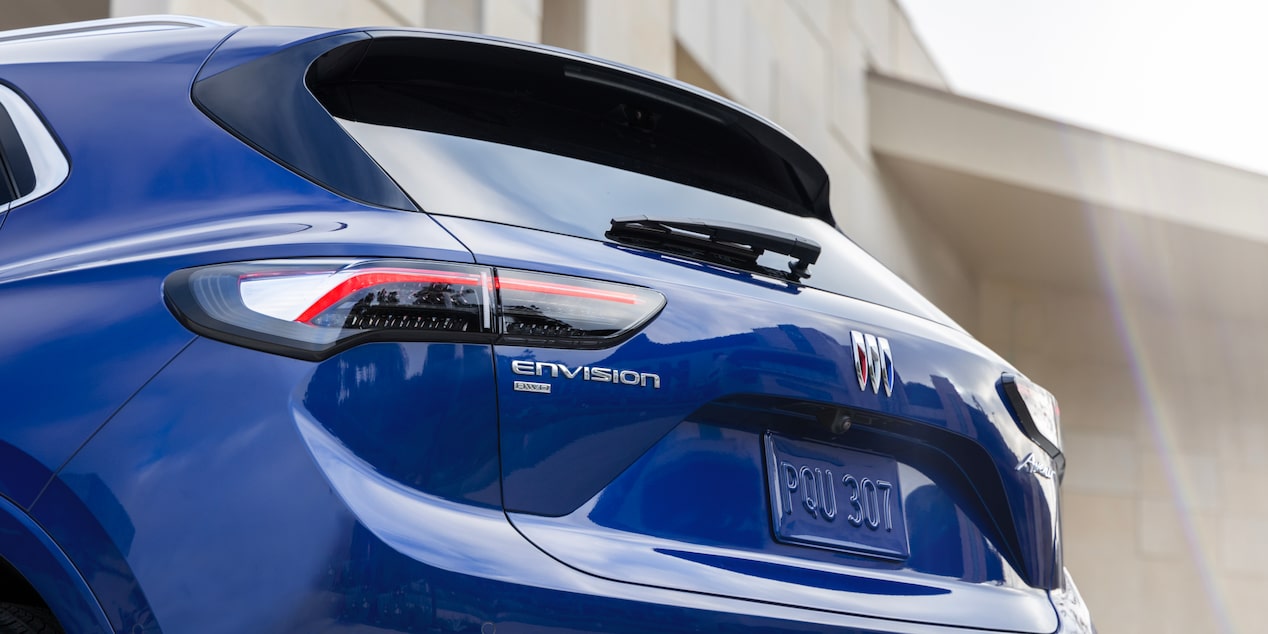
x: 47, y: 160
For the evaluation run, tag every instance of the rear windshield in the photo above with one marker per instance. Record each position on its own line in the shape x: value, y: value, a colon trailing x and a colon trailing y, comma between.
x: 459, y: 176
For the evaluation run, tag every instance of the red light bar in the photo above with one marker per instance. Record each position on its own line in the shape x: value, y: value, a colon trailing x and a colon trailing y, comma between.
x: 564, y: 289
x: 367, y: 278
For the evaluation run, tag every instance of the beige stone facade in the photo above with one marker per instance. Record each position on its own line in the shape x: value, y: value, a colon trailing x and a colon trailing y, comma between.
x: 1126, y: 279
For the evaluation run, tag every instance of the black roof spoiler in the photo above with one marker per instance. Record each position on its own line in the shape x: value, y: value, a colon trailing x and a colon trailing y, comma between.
x: 508, y: 92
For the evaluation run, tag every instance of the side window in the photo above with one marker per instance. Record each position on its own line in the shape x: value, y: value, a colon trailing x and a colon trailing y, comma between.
x: 31, y: 162
x: 10, y: 143
x: 6, y: 186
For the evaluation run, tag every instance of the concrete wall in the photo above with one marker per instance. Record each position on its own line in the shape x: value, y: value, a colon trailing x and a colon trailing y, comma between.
x: 519, y: 19
x: 1165, y: 516
x: 17, y: 14
x: 1125, y: 279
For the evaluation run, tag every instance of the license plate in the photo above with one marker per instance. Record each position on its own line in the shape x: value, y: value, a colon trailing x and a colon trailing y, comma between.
x: 835, y: 498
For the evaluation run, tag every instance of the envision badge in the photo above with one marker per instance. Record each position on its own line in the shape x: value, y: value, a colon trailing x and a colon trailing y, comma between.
x: 585, y: 373
x: 873, y: 362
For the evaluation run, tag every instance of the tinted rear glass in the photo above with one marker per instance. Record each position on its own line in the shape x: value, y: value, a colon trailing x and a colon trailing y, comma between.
x: 555, y: 103
x: 451, y: 175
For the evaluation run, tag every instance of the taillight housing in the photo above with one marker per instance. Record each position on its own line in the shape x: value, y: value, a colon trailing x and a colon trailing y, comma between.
x: 1037, y: 411
x: 311, y: 308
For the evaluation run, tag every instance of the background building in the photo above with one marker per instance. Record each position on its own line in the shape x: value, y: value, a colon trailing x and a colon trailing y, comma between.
x: 1125, y: 278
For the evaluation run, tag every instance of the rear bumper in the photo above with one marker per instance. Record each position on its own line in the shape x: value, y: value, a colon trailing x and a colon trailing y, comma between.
x: 1073, y: 612
x: 520, y: 588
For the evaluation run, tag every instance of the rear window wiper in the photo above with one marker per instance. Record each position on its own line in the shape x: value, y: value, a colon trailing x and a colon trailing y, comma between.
x: 729, y: 244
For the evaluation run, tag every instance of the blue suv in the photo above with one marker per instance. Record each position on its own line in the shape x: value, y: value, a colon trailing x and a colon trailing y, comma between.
x: 388, y: 330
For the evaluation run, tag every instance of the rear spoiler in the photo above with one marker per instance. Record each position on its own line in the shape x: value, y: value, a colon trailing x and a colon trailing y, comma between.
x: 502, y: 91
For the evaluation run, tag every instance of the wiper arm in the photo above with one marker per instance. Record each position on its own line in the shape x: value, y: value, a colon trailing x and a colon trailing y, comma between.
x: 718, y: 242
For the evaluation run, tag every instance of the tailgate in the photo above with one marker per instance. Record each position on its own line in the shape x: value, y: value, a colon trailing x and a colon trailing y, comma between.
x: 746, y: 453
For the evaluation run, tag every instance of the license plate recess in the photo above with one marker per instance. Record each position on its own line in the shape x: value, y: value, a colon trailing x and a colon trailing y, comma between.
x: 837, y: 498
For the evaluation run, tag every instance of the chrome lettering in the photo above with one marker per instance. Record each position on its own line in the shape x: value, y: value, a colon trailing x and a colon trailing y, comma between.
x: 855, y: 518
x: 824, y: 496
x: 814, y: 489
x: 586, y: 373
x: 1031, y: 464
x: 791, y: 480
x: 807, y: 493
x: 882, y: 485
x: 529, y: 386
x: 871, y: 501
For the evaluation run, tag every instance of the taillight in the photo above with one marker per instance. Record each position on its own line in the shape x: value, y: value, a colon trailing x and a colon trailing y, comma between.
x: 570, y: 311
x: 1037, y: 411
x: 312, y: 308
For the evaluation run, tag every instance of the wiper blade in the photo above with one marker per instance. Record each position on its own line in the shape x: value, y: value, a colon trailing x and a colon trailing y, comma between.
x: 725, y: 243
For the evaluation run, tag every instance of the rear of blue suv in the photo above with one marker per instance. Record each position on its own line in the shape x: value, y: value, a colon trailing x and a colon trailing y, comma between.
x: 392, y: 330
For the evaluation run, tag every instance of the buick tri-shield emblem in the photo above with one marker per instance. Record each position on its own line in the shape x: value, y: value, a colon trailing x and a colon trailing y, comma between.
x: 873, y: 362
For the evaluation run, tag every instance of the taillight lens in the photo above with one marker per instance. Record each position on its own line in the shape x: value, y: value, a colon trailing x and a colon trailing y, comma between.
x: 535, y: 306
x: 313, y: 308
x: 1037, y: 411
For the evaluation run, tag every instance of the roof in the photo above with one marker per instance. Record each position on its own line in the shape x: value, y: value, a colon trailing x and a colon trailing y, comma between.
x: 110, y: 25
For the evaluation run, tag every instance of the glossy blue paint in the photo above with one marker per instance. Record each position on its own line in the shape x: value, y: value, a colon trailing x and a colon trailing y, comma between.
x: 419, y: 414
x: 37, y: 557
x: 183, y: 186
x: 62, y: 403
x: 152, y: 480
x: 595, y: 432
x: 255, y: 503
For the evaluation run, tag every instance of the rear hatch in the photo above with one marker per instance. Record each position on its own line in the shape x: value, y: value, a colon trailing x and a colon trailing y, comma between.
x: 753, y: 458
x: 831, y: 442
